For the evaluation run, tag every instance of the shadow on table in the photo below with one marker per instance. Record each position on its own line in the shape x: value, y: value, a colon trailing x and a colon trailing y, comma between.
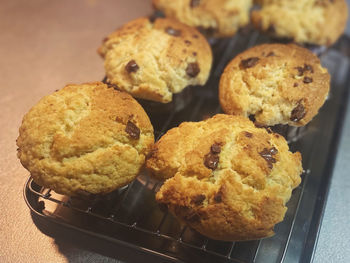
x: 77, y: 246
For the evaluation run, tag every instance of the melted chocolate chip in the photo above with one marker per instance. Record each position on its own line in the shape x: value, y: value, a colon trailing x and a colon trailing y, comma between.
x: 273, y: 151
x: 308, y: 67
x: 267, y: 155
x: 295, y: 85
x: 215, y: 148
x: 131, y: 66
x: 192, y: 69
x: 195, y: 3
x: 307, y: 80
x: 211, y: 161
x: 298, y: 113
x: 152, y: 18
x: 173, y: 32
x: 248, y: 134
x: 195, y: 36
x: 187, y: 42
x: 270, y: 54
x: 198, y: 199
x: 300, y: 71
x: 194, y: 53
x: 249, y: 62
x: 132, y: 130
x: 218, y: 197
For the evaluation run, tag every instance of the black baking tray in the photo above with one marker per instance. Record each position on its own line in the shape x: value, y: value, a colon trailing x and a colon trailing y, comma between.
x: 130, y: 218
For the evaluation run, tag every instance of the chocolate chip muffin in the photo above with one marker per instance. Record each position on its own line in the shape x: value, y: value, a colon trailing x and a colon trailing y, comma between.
x: 154, y: 59
x: 85, y: 139
x: 277, y: 83
x: 227, y: 179
x: 218, y: 18
x: 318, y: 22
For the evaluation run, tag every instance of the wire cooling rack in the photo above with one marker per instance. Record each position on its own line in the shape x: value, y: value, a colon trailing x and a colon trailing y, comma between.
x: 130, y: 216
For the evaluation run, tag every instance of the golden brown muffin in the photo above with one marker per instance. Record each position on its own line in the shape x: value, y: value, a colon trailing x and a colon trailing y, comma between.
x: 279, y: 84
x: 227, y: 179
x: 222, y: 18
x: 305, y: 21
x: 86, y: 138
x: 154, y: 59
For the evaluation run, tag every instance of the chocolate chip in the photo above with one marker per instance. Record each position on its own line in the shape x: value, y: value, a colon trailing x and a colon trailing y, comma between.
x: 132, y: 130
x: 192, y: 69
x: 194, y: 53
x: 300, y: 71
x: 215, y: 148
x: 273, y: 151
x: 113, y: 86
x: 195, y: 36
x: 198, y: 199
x: 187, y: 42
x: 211, y: 161
x: 295, y: 85
x: 249, y: 62
x: 195, y: 3
x: 131, y: 66
x: 267, y: 155
x: 173, y: 32
x: 248, y: 134
x: 152, y: 18
x: 308, y: 67
x: 218, y: 197
x: 307, y: 80
x: 298, y: 113
x: 270, y: 54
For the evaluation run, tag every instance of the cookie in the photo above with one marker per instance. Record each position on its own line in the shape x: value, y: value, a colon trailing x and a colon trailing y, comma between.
x: 227, y: 179
x: 218, y: 18
x: 318, y: 22
x: 277, y: 83
x: 154, y: 59
x: 85, y: 139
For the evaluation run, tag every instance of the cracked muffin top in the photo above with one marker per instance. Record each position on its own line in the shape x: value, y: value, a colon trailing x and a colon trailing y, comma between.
x: 226, y: 178
x: 219, y: 18
x: 85, y: 139
x: 154, y: 58
x: 277, y: 83
x: 318, y: 22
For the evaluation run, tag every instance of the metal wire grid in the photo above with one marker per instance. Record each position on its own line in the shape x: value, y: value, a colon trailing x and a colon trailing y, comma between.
x: 182, y: 235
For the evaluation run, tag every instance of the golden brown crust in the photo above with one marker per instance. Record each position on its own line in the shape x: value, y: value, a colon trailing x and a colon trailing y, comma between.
x: 220, y: 17
x: 243, y: 196
x: 80, y: 139
x: 153, y: 60
x: 305, y: 21
x: 279, y: 84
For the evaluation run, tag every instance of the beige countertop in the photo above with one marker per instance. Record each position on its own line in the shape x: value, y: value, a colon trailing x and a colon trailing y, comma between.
x: 43, y: 46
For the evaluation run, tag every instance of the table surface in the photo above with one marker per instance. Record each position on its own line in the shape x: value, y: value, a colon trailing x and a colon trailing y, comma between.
x: 47, y: 44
